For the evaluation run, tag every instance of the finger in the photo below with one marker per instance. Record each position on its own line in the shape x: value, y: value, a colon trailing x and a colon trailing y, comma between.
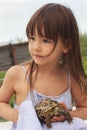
x: 63, y: 105
x: 58, y: 118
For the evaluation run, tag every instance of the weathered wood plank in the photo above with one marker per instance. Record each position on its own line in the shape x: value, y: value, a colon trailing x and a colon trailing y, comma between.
x: 13, y: 54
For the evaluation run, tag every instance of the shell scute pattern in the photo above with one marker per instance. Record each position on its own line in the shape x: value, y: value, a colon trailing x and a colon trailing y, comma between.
x: 48, y: 108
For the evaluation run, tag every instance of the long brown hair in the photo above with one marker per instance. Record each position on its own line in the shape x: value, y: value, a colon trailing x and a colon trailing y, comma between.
x: 59, y: 21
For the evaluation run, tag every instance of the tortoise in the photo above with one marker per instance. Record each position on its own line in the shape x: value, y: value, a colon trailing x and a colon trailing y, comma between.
x: 48, y: 108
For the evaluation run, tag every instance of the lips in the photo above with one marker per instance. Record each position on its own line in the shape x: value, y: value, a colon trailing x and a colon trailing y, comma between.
x: 37, y: 56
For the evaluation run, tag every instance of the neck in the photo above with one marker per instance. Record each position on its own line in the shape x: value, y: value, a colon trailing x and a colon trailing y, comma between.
x: 49, y: 68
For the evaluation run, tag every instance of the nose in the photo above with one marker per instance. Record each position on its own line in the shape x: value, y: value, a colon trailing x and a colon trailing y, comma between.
x: 37, y: 45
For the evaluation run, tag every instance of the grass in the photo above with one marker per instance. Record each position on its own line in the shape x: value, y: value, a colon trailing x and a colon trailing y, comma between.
x: 2, y: 74
x: 85, y: 63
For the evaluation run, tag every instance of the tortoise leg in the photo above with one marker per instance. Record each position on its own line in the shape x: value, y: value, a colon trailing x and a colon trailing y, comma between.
x: 48, y: 122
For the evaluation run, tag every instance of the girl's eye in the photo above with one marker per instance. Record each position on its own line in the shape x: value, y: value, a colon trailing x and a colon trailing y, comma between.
x: 31, y: 38
x: 47, y: 41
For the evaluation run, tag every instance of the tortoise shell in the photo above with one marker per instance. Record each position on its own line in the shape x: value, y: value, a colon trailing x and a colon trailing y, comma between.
x: 48, y: 108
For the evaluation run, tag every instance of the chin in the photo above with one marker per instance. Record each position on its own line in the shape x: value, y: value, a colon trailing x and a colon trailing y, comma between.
x: 40, y: 63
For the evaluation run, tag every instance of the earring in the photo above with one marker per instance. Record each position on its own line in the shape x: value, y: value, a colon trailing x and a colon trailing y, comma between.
x: 62, y: 59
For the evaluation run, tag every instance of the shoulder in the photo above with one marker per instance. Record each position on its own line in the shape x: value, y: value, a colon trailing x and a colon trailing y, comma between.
x: 77, y: 93
x: 14, y: 71
x: 17, y: 69
x: 14, y: 68
x: 13, y: 74
x: 75, y: 87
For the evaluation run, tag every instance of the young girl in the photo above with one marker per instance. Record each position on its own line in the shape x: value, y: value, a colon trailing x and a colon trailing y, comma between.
x: 55, y: 72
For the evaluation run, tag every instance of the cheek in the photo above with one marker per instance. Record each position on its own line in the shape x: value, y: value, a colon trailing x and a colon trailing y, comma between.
x: 57, y: 52
x: 48, y: 50
x: 30, y: 49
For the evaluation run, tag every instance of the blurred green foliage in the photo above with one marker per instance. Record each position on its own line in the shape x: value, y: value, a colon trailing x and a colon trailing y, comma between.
x: 2, y: 73
x: 84, y: 60
x: 12, y: 101
x: 83, y: 44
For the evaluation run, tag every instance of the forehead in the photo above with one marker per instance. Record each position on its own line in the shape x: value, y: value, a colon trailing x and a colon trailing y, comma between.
x: 40, y: 33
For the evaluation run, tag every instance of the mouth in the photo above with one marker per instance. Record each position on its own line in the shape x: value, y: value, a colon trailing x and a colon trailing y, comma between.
x: 37, y: 56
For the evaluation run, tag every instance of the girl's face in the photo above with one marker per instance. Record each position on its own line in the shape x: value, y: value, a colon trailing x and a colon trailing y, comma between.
x: 43, y: 50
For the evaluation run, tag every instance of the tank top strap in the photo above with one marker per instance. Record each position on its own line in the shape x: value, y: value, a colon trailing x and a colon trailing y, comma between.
x: 24, y: 69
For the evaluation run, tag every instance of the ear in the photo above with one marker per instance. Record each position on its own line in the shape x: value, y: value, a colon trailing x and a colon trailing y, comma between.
x: 65, y: 49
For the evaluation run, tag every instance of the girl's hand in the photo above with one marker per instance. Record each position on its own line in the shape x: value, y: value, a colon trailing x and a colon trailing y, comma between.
x: 60, y: 118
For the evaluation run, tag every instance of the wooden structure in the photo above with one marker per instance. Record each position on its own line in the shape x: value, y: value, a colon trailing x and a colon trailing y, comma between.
x: 12, y: 54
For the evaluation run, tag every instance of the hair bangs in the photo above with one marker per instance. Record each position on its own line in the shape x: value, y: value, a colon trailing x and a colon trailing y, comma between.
x: 53, y: 21
x: 45, y: 22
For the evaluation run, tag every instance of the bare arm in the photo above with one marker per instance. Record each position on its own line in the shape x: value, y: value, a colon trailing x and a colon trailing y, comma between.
x: 6, y: 92
x: 80, y: 101
x: 8, y: 113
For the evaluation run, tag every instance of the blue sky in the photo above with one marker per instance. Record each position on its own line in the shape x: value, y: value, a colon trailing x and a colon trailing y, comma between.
x: 14, y: 15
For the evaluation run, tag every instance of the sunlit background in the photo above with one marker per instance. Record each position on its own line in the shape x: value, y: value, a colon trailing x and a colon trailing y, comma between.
x: 14, y: 15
